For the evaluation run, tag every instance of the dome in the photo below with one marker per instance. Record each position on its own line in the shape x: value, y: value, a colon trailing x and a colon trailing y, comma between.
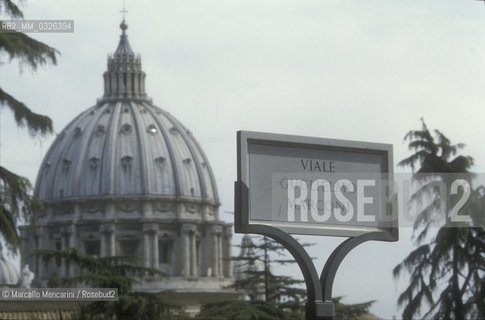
x: 125, y: 146
x: 125, y: 177
x: 9, y: 276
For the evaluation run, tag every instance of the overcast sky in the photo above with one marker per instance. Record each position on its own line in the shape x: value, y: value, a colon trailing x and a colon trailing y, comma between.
x: 354, y: 69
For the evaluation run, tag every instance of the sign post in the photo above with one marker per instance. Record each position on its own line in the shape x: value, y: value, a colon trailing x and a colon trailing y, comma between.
x: 314, y: 186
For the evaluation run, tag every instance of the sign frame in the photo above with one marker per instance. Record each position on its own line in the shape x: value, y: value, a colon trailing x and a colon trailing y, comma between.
x: 243, y: 222
x: 319, y: 304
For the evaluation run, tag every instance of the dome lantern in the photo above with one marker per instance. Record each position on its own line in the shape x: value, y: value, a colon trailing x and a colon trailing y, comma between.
x: 124, y: 77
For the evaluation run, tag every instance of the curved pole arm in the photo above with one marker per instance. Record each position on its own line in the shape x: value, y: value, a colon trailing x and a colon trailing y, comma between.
x: 314, y: 291
x: 310, y: 274
x: 331, y: 266
x: 316, y: 308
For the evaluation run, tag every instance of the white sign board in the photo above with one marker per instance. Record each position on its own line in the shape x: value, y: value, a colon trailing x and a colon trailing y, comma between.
x: 314, y: 186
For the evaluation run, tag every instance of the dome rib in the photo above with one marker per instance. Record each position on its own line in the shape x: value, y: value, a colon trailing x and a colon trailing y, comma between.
x: 143, y: 152
x: 212, y: 179
x: 107, y: 185
x: 173, y: 161
x: 198, y: 148
x: 84, y: 151
x: 65, y: 165
x: 182, y: 132
x: 50, y: 157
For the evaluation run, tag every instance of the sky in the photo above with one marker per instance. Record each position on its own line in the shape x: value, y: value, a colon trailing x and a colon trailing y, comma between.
x: 363, y: 70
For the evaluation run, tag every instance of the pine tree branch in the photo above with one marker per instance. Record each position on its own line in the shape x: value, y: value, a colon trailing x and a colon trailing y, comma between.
x: 27, y: 50
x: 16, y: 202
x: 14, y: 190
x: 36, y: 123
x: 8, y: 228
x: 11, y: 9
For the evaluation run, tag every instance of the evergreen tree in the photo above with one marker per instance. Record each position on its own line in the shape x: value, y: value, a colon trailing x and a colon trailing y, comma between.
x: 255, y: 274
x: 15, y: 191
x: 255, y: 277
x: 453, y: 261
x: 350, y: 311
x: 261, y: 310
x: 111, y: 272
x: 243, y: 310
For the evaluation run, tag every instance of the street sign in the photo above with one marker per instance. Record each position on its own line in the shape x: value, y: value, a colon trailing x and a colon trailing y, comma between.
x: 314, y: 186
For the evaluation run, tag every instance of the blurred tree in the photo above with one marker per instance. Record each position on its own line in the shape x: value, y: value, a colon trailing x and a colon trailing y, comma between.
x: 255, y: 275
x: 15, y: 191
x: 453, y: 260
x: 350, y: 311
x: 112, y: 272
x: 261, y: 310
x: 242, y: 310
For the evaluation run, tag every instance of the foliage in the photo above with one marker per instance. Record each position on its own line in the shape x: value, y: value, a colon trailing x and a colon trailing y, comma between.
x: 453, y: 261
x: 36, y: 123
x: 19, y: 46
x: 15, y: 203
x: 15, y: 191
x: 103, y: 272
x: 284, y: 292
x: 136, y: 305
x: 350, y: 311
x: 244, y: 310
x: 258, y: 279
x: 111, y: 272
x: 261, y: 310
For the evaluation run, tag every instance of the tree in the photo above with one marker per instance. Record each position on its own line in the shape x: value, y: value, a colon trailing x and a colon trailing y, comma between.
x: 453, y: 260
x: 243, y: 310
x: 112, y: 272
x: 261, y: 310
x: 350, y: 311
x: 255, y: 276
x: 15, y: 191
